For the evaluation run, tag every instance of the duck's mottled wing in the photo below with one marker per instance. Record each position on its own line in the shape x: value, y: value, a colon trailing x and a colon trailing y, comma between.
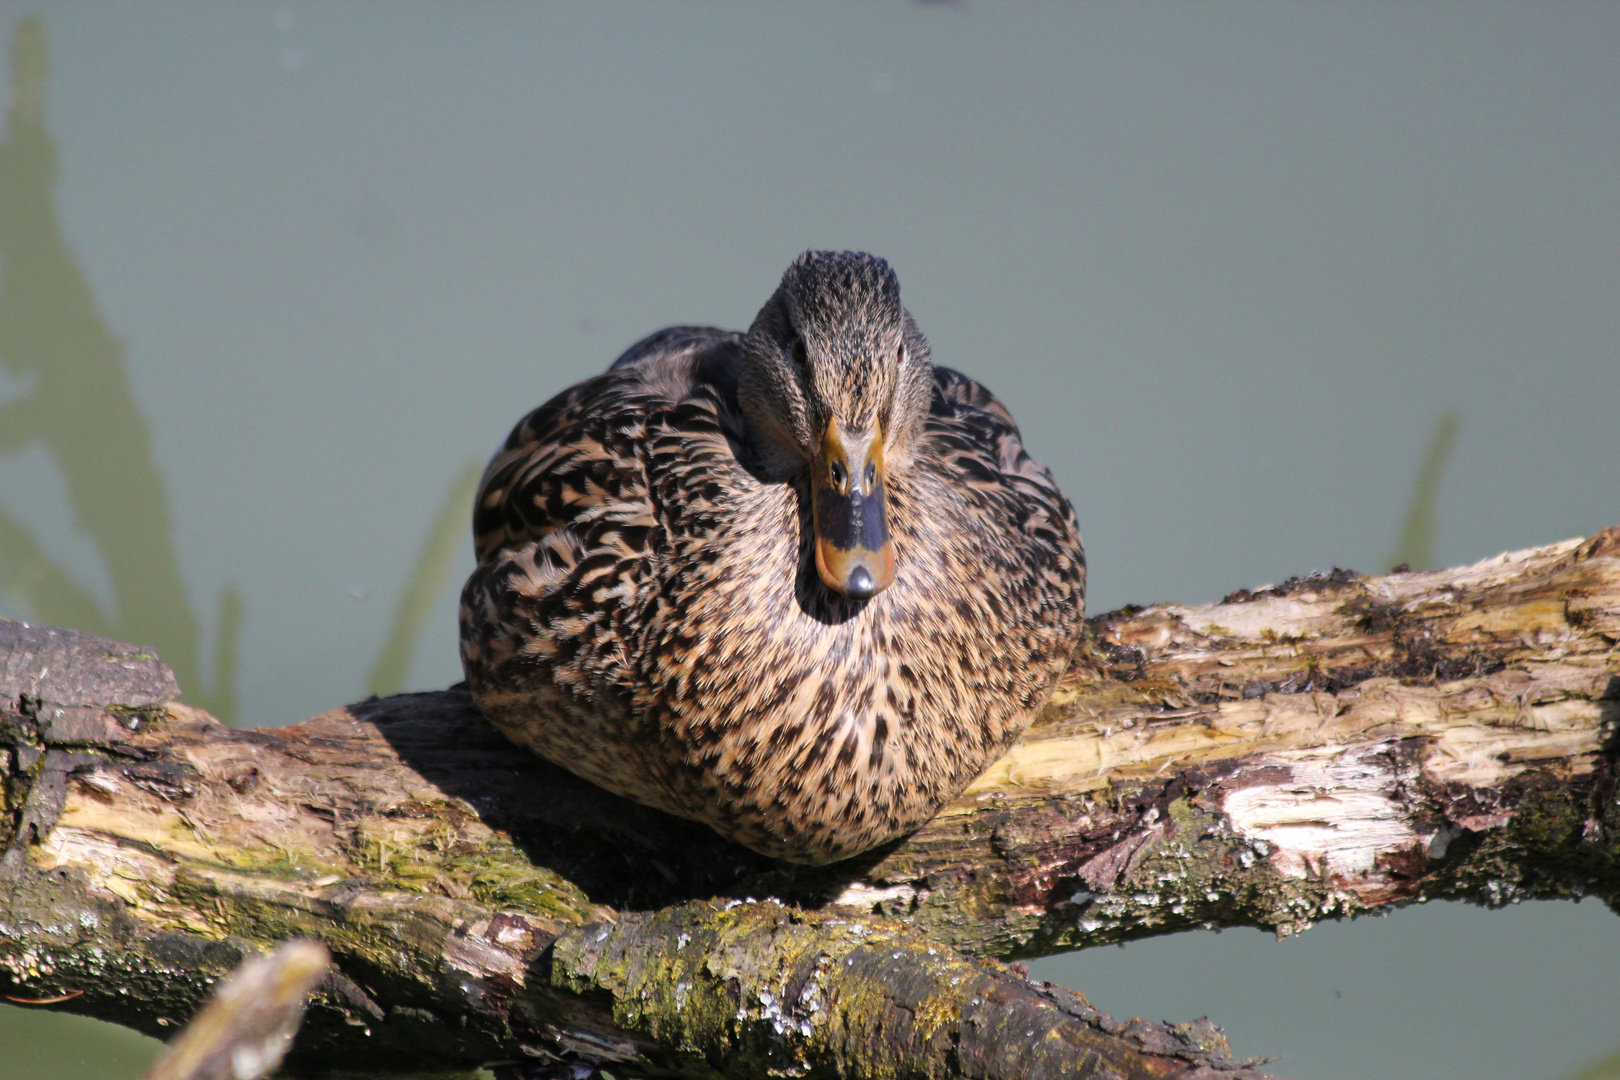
x: 975, y: 439
x: 562, y: 529
x: 578, y: 456
x: 570, y: 545
x: 957, y: 389
x: 572, y: 457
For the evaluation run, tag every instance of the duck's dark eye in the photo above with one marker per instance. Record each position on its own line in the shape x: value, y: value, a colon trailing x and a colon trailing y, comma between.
x: 900, y: 354
x: 801, y: 355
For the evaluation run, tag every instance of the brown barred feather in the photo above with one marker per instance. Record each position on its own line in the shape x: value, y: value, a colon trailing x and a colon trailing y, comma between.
x: 646, y: 611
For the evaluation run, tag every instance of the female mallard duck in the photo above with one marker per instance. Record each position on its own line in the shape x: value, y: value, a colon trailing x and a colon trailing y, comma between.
x: 799, y: 584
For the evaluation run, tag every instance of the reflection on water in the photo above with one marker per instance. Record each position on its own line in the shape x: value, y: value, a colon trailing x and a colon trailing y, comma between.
x: 1606, y: 1069
x: 1415, y: 548
x: 427, y: 580
x: 79, y: 407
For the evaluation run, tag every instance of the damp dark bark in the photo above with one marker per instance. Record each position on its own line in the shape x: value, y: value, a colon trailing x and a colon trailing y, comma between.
x: 1317, y: 749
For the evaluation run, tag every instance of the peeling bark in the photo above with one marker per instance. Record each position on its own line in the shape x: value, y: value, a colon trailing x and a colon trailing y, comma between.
x: 1315, y: 749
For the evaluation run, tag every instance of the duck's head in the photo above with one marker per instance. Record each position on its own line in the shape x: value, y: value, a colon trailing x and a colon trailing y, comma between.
x: 835, y: 374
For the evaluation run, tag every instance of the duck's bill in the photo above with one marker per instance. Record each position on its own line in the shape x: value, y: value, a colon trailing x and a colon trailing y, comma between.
x: 853, y: 553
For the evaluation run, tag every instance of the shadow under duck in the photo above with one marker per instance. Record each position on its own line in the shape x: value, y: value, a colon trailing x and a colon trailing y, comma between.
x: 800, y: 584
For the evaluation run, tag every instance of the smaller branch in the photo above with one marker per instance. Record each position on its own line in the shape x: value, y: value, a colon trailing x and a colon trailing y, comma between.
x: 247, y: 1027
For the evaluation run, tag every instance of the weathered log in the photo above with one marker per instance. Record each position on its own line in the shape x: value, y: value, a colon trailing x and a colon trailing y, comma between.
x: 180, y: 845
x: 1316, y: 749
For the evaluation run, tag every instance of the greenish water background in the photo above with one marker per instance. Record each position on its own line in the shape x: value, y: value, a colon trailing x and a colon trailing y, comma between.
x: 273, y: 279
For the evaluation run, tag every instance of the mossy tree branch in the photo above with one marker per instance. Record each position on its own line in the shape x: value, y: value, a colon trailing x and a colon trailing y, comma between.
x: 1321, y: 748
